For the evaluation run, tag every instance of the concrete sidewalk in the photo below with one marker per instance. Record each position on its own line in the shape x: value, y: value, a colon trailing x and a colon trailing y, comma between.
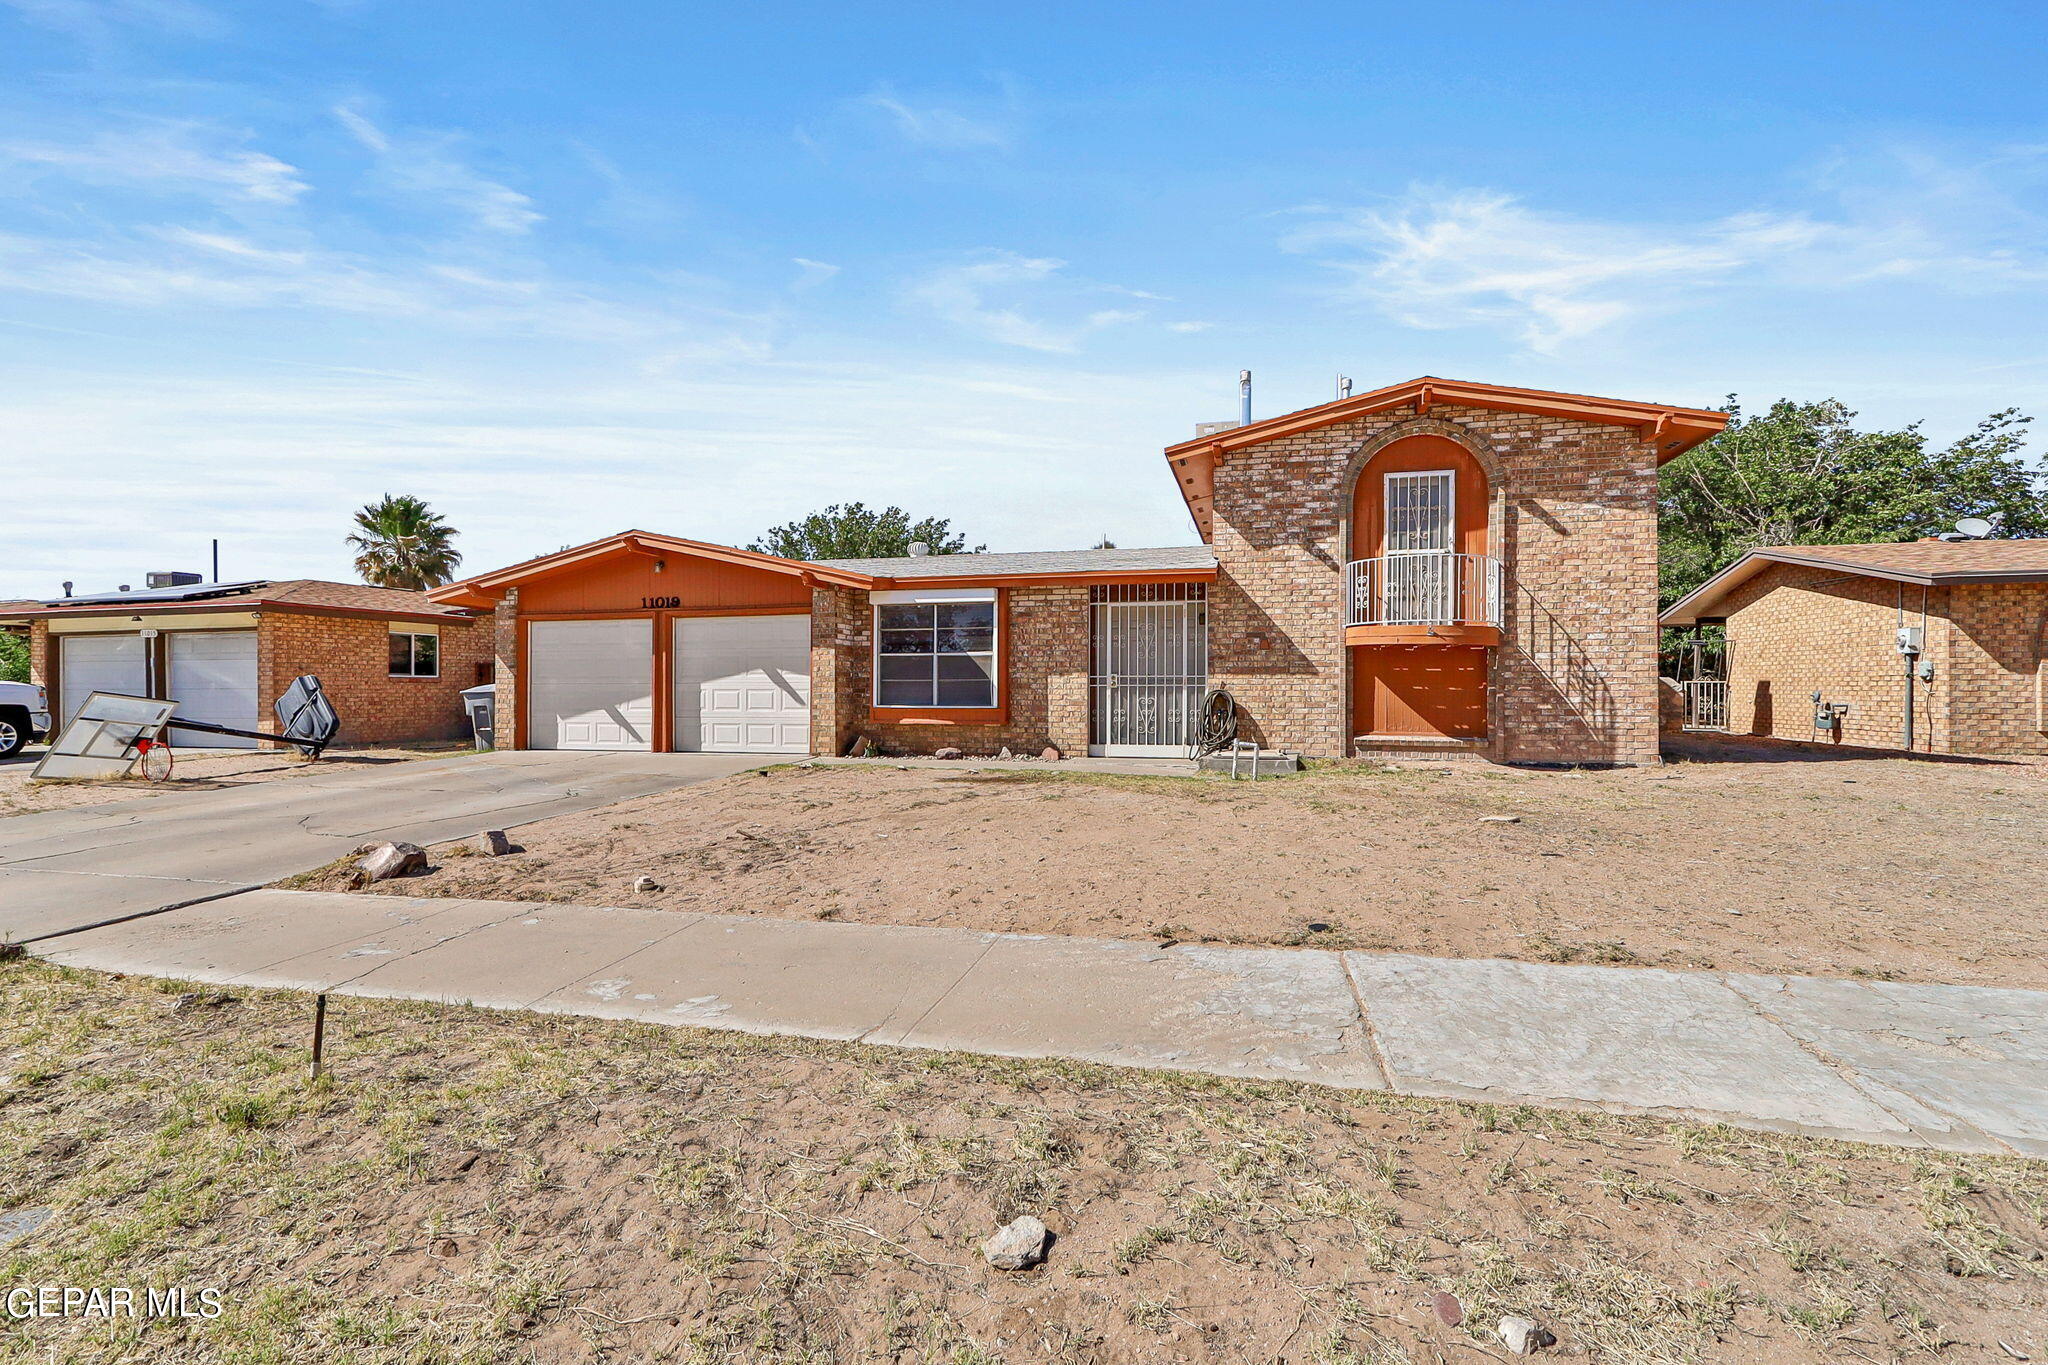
x: 1952, y: 1067
x: 64, y: 870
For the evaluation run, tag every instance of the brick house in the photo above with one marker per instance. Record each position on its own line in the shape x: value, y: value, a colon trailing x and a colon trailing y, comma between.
x: 1433, y: 567
x: 393, y: 663
x: 1801, y: 619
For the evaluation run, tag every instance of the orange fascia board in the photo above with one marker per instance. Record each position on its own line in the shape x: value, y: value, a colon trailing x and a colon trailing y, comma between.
x: 483, y: 590
x: 1675, y: 429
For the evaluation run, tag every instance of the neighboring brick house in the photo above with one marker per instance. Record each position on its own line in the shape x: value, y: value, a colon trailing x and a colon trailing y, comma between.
x: 1802, y: 619
x: 1434, y: 567
x: 393, y: 663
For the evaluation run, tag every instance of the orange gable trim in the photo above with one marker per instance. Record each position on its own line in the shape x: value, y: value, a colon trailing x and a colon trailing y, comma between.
x: 484, y: 590
x: 1672, y: 430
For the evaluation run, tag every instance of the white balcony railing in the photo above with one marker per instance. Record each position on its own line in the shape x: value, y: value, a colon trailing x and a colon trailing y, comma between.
x: 1423, y: 590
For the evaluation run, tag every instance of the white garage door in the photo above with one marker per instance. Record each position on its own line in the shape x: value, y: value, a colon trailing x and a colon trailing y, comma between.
x: 743, y: 684
x: 213, y: 678
x: 590, y: 684
x: 101, y: 663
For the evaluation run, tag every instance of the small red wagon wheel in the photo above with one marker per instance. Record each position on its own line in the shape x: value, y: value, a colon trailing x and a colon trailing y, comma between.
x: 156, y: 758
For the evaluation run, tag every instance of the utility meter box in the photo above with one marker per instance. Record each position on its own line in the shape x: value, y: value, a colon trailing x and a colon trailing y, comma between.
x: 1909, y: 639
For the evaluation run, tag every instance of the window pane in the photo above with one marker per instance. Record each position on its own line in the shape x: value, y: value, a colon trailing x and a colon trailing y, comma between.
x: 426, y: 656
x: 966, y: 680
x: 917, y: 693
x: 963, y: 667
x: 966, y: 694
x: 903, y: 616
x: 906, y: 642
x: 964, y: 641
x: 903, y: 667
x: 967, y: 615
x: 401, y: 656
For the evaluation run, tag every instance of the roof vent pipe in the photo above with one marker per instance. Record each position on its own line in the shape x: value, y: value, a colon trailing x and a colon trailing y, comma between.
x: 1343, y: 386
x: 918, y: 549
x: 67, y: 587
x: 1244, y: 393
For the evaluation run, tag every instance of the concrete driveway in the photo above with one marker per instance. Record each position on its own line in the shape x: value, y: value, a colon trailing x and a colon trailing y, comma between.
x: 65, y: 870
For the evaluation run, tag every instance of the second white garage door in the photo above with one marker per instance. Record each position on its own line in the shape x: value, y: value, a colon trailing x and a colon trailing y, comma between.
x: 590, y: 684
x: 743, y: 684
x: 213, y: 678
x: 101, y: 663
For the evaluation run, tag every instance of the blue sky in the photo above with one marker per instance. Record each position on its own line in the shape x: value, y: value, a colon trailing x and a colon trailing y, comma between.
x: 565, y: 269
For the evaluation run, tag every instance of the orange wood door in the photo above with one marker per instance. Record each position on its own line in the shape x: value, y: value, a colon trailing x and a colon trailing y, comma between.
x: 1431, y: 690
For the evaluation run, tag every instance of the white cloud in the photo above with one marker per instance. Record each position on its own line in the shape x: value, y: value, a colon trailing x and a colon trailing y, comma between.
x: 170, y: 156
x: 423, y: 168
x: 1458, y: 258
x: 966, y: 296
x: 101, y: 21
x: 811, y: 274
x: 1189, y: 326
x: 940, y: 127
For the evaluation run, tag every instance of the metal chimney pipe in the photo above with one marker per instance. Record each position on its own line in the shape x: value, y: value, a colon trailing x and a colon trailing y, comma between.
x: 1343, y: 386
x: 1244, y: 391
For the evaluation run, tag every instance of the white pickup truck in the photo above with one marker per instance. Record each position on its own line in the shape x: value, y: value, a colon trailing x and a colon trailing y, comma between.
x: 24, y: 715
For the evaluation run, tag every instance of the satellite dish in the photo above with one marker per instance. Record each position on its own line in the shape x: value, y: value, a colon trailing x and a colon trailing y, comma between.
x: 1974, y: 527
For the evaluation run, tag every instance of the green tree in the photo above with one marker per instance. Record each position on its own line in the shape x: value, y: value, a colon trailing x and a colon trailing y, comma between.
x: 855, y: 531
x: 400, y: 543
x: 1803, y: 474
x: 13, y: 658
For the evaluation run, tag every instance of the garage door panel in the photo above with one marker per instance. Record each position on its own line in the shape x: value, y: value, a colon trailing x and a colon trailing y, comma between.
x: 100, y: 663
x: 743, y: 684
x: 213, y: 678
x: 590, y: 684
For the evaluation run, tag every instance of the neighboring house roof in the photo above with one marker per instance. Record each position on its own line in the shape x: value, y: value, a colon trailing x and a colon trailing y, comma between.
x: 1049, y: 566
x: 1673, y: 430
x: 1929, y: 563
x: 290, y: 594
x: 1195, y: 559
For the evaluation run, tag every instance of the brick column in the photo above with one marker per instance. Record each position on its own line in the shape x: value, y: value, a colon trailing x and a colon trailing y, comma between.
x: 505, y: 672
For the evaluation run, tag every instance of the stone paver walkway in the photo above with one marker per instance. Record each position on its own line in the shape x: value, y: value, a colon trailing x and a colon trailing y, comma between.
x: 1957, y: 1067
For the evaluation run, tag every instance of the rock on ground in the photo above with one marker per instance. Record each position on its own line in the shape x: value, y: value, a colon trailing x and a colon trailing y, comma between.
x: 1018, y: 1245
x: 386, y: 861
x: 492, y: 843
x: 1524, y: 1336
x: 646, y: 884
x: 948, y: 753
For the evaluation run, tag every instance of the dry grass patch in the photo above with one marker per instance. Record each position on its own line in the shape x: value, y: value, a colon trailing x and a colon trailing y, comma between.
x: 477, y: 1187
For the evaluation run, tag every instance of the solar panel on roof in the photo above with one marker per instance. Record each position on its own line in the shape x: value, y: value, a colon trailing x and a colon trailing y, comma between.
x: 191, y: 592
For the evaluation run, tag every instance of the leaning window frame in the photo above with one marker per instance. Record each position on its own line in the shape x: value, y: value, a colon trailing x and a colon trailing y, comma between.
x: 992, y: 598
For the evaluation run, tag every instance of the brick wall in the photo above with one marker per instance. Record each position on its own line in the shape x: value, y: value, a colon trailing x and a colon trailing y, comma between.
x: 1047, y: 687
x: 1573, y: 518
x: 1997, y: 694
x: 39, y: 660
x: 352, y: 657
x: 1793, y: 631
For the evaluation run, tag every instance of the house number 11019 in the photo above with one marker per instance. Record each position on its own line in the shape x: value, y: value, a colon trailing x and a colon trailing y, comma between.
x: 661, y: 601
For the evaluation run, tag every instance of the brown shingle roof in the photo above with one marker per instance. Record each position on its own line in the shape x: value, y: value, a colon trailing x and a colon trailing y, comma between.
x: 1927, y: 562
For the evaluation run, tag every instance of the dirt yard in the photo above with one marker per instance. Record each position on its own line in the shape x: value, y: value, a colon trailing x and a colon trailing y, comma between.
x: 1921, y: 871
x: 198, y: 772
x: 473, y: 1187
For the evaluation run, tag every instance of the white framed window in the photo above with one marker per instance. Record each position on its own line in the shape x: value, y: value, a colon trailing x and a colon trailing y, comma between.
x: 935, y: 649
x: 415, y: 654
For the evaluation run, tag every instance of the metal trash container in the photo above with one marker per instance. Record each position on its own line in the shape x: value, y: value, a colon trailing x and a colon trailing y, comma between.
x: 481, y: 702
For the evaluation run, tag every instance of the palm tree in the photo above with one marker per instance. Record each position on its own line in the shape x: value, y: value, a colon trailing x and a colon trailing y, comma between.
x: 401, y: 543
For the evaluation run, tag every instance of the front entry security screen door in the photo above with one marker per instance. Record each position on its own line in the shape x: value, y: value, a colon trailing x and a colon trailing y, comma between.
x: 1151, y: 669
x: 1421, y: 580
